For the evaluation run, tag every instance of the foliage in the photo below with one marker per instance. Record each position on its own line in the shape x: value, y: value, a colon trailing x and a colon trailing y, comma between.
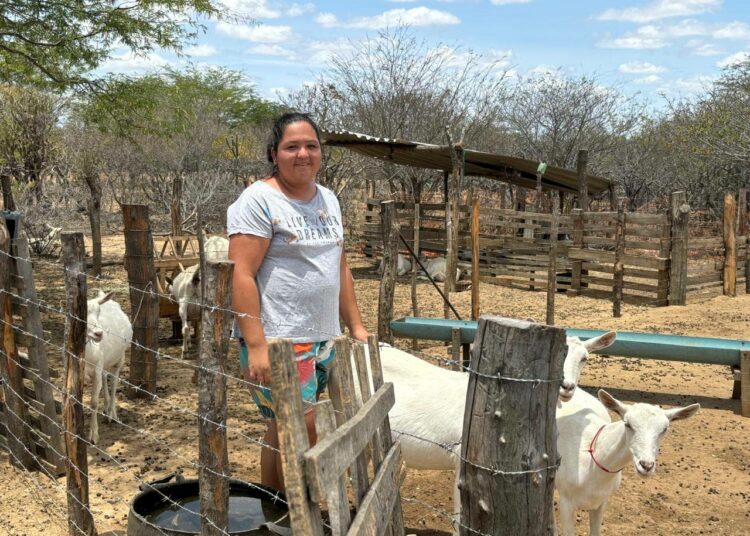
x: 58, y: 43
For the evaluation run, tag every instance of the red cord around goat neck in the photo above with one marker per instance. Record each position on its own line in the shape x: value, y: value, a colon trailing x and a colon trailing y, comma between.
x: 591, y: 451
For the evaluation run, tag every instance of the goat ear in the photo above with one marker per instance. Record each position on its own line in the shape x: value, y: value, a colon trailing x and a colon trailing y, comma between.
x: 196, y: 277
x: 612, y: 403
x: 600, y: 342
x: 676, y: 414
x: 169, y: 280
x: 105, y: 297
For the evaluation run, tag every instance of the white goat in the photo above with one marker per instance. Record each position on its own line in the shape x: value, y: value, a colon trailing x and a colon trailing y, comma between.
x: 428, y: 415
x: 575, y: 360
x: 437, y: 268
x: 594, y: 451
x: 216, y: 248
x: 108, y: 335
x: 186, y: 291
x: 186, y: 287
x: 403, y: 265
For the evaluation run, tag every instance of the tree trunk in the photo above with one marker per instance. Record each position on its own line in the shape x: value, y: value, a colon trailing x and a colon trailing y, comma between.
x: 8, y: 202
x: 95, y: 219
x: 176, y: 209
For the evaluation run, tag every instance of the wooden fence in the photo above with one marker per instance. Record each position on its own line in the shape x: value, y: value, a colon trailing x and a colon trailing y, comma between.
x: 648, y: 259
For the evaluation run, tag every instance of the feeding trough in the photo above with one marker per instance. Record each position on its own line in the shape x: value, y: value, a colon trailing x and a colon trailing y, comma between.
x: 173, y: 509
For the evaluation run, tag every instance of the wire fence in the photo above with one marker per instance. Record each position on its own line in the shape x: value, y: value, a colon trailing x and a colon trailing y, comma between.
x: 103, y: 487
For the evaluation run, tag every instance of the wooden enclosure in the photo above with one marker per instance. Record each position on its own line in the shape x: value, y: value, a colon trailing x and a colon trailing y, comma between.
x: 638, y: 258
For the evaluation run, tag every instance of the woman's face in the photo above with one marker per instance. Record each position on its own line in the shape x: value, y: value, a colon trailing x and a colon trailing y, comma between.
x: 298, y: 156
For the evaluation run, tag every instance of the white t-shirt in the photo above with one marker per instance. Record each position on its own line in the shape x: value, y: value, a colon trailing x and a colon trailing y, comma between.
x: 300, y: 276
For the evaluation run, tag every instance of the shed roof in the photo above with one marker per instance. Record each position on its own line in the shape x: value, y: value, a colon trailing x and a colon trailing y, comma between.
x: 509, y: 169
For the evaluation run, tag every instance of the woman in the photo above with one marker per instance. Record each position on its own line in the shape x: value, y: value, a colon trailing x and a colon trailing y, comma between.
x: 291, y: 278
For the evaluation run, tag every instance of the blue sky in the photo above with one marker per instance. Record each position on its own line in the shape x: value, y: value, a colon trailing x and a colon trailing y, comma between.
x: 650, y: 47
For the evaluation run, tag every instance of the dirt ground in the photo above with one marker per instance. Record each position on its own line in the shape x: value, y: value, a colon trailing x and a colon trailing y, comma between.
x: 702, y: 485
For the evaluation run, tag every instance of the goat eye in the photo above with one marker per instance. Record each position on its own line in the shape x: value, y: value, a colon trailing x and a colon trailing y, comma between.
x: 627, y: 425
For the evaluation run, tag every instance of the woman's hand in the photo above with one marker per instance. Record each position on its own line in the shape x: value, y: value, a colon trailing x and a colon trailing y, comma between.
x: 260, y: 365
x: 360, y: 333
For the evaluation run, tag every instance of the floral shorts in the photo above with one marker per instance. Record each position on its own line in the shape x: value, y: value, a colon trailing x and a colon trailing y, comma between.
x: 313, y: 361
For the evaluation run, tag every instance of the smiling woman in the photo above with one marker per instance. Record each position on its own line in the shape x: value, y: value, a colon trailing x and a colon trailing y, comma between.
x: 291, y: 278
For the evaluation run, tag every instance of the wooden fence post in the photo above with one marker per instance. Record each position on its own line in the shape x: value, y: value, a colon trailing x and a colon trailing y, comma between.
x: 619, y: 268
x: 745, y: 384
x: 304, y: 513
x: 583, y: 187
x: 577, y: 266
x: 11, y: 372
x: 212, y: 399
x: 552, y: 269
x: 390, y: 259
x: 475, y: 258
x: 452, y: 207
x: 80, y: 520
x: 416, y: 247
x: 144, y: 301
x: 730, y: 246
x: 508, y: 467
x: 678, y: 258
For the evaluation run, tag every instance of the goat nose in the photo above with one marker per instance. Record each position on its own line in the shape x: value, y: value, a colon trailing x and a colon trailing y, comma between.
x: 568, y: 385
x: 647, y: 466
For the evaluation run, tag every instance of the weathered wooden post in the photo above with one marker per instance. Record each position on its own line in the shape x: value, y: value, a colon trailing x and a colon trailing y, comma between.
x: 730, y: 246
x: 552, y: 268
x: 474, y: 258
x: 212, y: 399
x: 390, y: 259
x: 80, y: 520
x: 577, y: 266
x: 583, y: 188
x: 304, y: 513
x: 452, y: 206
x: 144, y: 301
x: 745, y: 384
x: 678, y: 256
x: 619, y: 269
x: 509, y: 443
x: 416, y: 246
x: 11, y: 371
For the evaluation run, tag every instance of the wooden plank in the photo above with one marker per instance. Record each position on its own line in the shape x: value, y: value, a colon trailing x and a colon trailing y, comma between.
x: 707, y: 243
x: 304, y: 513
x: 626, y: 285
x: 578, y: 242
x: 80, y: 519
x: 626, y: 298
x: 647, y: 246
x: 397, y: 519
x: 599, y: 217
x: 360, y: 362
x: 646, y: 219
x: 552, y: 267
x: 475, y: 245
x: 388, y: 283
x: 629, y: 272
x: 706, y: 286
x: 679, y: 254
x: 378, y: 504
x: 710, y: 277
x: 328, y: 459
x: 617, y: 278
x: 730, y: 257
x: 608, y: 256
x: 336, y: 499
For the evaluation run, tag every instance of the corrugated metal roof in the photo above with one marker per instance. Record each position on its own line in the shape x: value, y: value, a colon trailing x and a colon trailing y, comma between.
x: 424, y: 155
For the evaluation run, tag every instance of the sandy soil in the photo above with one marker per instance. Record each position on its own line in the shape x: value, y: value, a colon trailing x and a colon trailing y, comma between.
x: 702, y: 485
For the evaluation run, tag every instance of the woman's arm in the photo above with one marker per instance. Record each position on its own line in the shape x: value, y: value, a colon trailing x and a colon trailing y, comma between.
x: 348, y: 302
x: 247, y: 252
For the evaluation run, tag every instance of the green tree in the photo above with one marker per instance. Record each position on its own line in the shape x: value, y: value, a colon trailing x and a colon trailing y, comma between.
x: 57, y: 43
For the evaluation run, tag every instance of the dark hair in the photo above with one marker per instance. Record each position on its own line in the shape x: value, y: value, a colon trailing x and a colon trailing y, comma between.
x: 279, y: 127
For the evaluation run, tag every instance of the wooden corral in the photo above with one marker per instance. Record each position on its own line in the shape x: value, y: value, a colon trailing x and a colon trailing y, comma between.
x: 28, y: 406
x: 661, y: 265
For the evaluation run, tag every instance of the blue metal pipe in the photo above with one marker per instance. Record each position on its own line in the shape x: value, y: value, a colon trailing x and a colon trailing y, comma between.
x: 628, y: 344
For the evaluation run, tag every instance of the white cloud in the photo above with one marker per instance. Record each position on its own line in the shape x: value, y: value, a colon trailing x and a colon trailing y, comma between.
x: 300, y: 9
x: 418, y: 16
x: 259, y: 9
x: 732, y: 30
x: 506, y: 2
x: 650, y: 79
x: 257, y: 34
x: 200, y: 51
x: 495, y: 58
x: 734, y: 59
x: 641, y: 67
x: 128, y: 62
x: 271, y: 50
x: 695, y: 84
x: 323, y: 50
x: 645, y: 37
x: 701, y: 48
x: 660, y: 9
